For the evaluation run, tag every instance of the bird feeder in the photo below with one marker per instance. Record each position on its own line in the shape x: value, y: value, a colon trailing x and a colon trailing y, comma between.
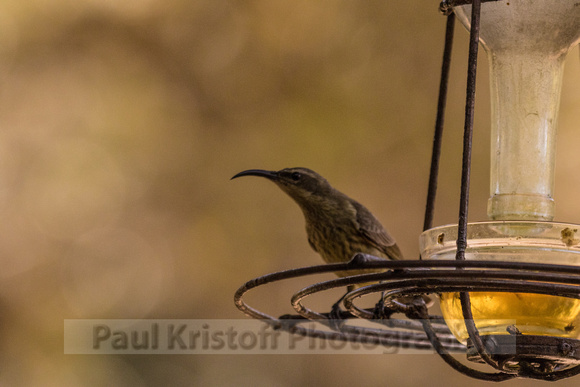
x: 509, y: 287
x: 526, y: 43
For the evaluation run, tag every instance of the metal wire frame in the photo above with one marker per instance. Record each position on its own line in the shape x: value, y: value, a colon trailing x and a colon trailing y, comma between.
x: 406, y: 334
x: 405, y: 278
x: 465, y: 178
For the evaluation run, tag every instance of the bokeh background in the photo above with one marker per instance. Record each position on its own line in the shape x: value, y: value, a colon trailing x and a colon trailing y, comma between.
x: 122, y: 123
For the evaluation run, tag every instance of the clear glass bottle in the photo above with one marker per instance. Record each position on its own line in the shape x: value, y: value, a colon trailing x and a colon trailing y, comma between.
x: 526, y: 43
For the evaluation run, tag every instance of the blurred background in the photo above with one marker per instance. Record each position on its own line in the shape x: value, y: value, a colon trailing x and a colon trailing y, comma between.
x: 122, y: 123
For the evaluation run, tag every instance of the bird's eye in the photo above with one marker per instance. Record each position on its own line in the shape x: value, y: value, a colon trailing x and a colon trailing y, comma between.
x: 295, y: 176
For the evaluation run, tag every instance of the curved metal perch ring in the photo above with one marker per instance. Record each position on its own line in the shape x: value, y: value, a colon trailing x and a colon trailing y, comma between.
x: 408, y: 333
x: 421, y: 330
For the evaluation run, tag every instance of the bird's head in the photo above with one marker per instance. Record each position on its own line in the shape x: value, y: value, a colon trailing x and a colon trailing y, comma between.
x: 301, y: 184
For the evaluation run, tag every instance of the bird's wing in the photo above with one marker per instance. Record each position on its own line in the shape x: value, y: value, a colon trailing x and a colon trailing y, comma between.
x: 375, y: 233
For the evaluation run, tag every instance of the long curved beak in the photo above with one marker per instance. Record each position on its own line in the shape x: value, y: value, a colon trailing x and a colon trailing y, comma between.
x: 270, y: 175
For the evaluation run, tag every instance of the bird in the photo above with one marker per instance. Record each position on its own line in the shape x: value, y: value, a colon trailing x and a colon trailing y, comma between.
x: 337, y: 226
